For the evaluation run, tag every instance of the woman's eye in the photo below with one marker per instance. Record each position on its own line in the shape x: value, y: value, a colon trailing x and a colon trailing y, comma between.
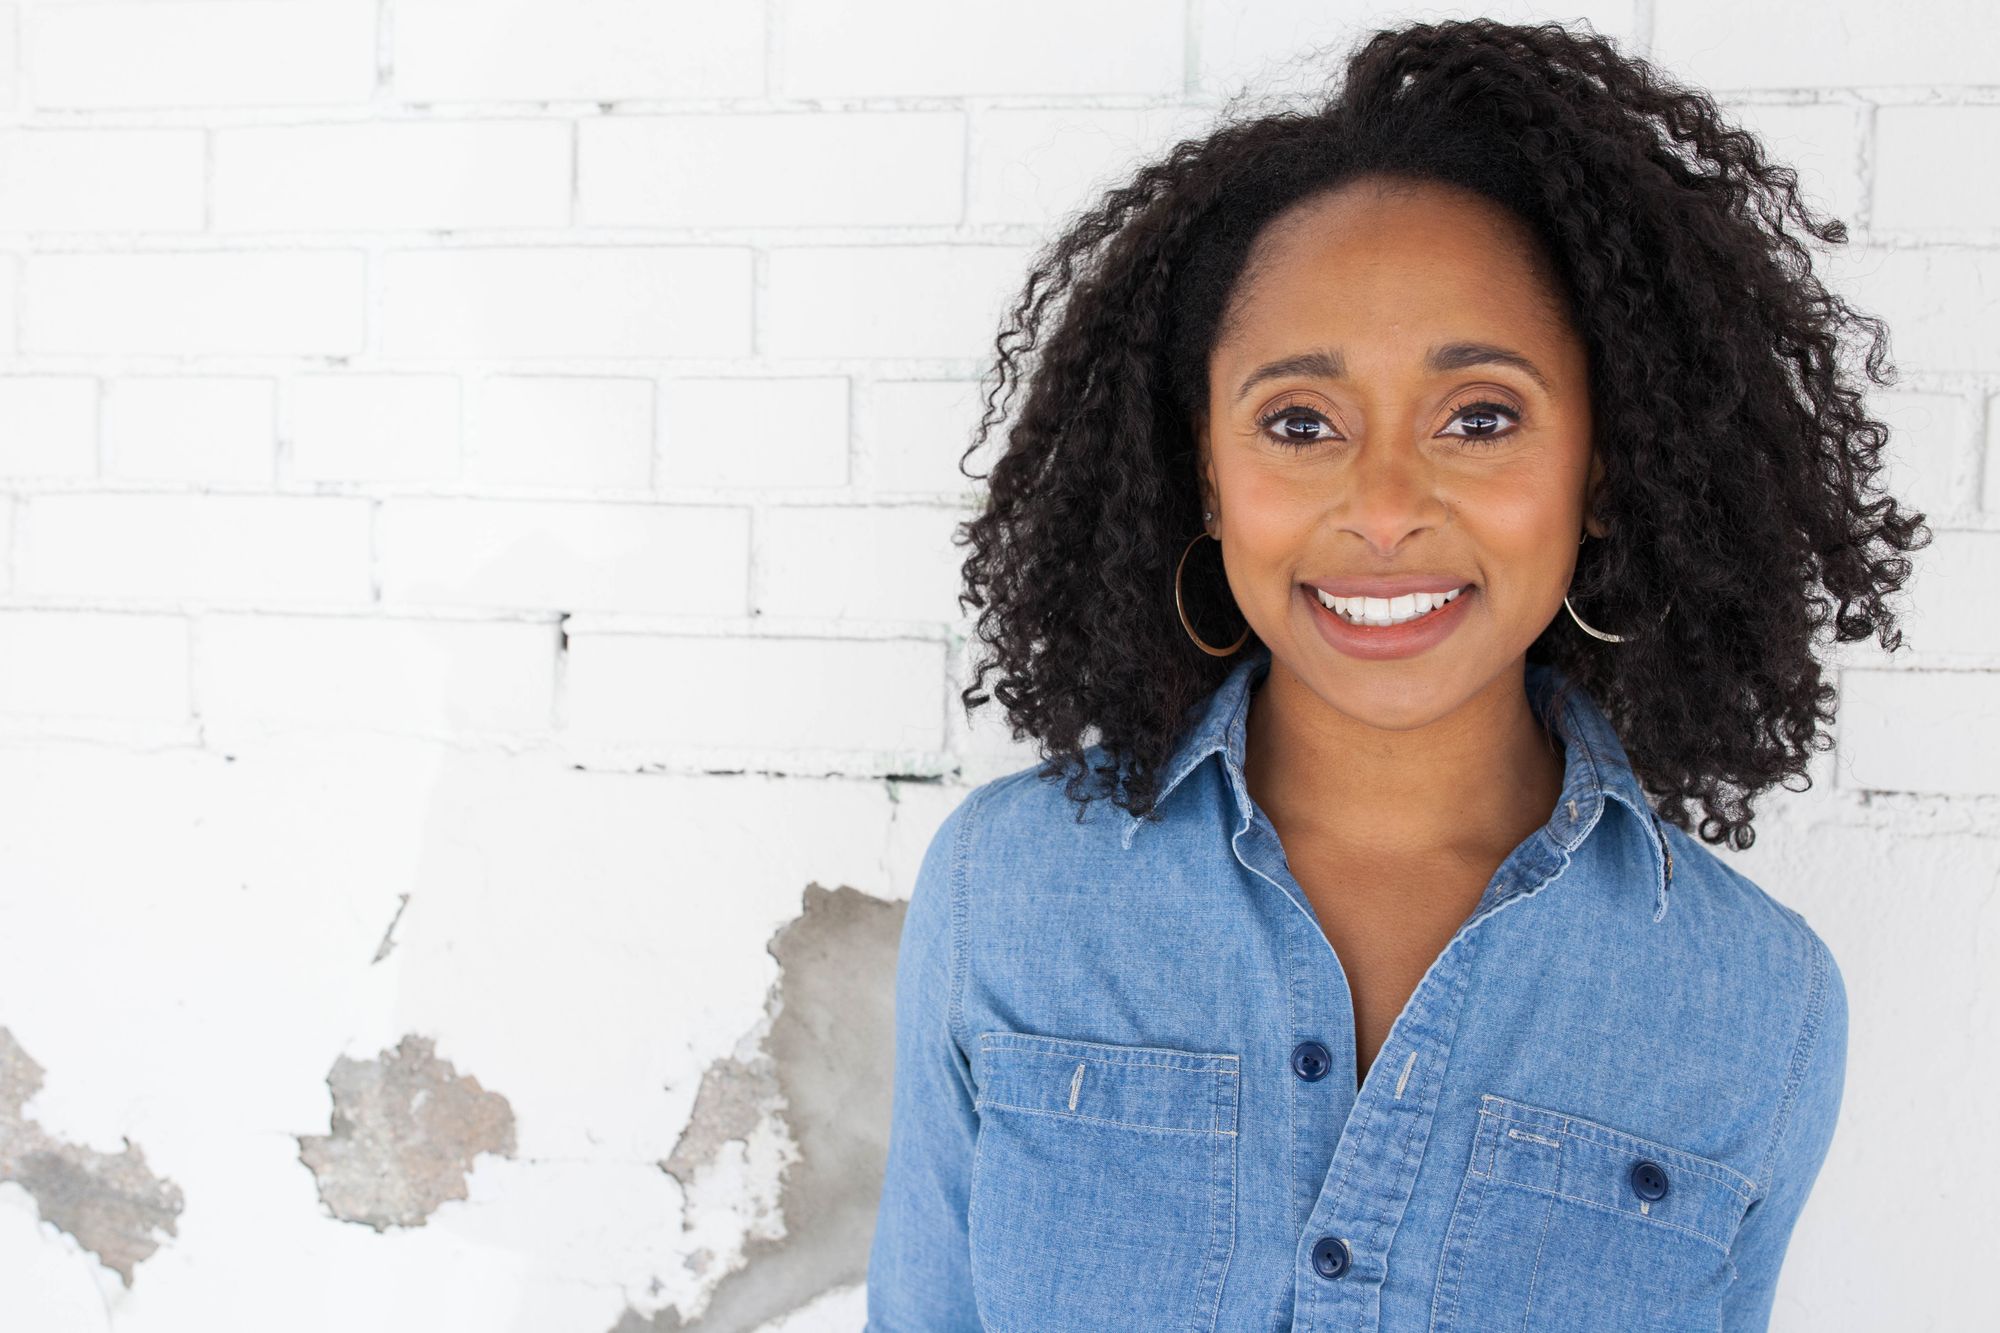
x: 1295, y: 421
x: 1487, y: 411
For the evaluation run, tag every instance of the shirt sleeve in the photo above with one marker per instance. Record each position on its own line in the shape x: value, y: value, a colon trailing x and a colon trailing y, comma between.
x: 1803, y: 1139
x: 919, y: 1271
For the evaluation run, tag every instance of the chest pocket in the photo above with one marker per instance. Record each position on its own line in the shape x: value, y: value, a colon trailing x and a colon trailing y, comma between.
x: 1103, y: 1189
x: 1568, y: 1224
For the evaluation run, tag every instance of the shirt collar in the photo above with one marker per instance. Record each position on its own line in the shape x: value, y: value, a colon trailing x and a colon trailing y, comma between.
x: 1595, y: 766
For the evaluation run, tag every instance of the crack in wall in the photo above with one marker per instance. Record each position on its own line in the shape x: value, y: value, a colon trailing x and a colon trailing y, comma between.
x: 110, y: 1203
x: 388, y: 943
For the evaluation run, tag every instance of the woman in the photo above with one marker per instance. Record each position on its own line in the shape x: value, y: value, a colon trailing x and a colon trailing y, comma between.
x: 1427, y: 499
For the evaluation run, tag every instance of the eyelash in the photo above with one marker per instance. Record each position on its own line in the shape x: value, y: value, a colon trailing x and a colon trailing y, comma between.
x: 1285, y: 410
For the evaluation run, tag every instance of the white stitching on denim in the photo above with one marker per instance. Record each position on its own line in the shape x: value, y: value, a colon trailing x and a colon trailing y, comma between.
x: 1702, y: 1236
x: 1523, y: 1134
x: 1404, y: 1079
x: 1193, y: 1061
x: 1107, y: 1060
x: 1535, y: 1274
x: 1604, y: 1136
x: 988, y: 1104
x: 1457, y: 1250
x: 1075, y: 1083
x: 1222, y: 1163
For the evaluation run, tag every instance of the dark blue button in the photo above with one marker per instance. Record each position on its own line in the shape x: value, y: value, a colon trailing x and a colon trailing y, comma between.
x: 1330, y: 1256
x: 1310, y: 1061
x: 1649, y: 1180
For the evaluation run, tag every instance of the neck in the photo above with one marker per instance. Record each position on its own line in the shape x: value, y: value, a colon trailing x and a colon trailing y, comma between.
x: 1482, y: 777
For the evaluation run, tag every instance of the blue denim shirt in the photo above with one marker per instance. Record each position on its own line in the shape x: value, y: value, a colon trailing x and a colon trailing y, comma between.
x: 1124, y: 1091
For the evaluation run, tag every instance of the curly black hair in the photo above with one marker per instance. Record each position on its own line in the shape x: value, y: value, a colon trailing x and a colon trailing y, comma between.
x: 1740, y: 464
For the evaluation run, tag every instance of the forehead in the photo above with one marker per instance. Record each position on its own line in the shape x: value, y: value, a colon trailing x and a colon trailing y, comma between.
x: 1380, y: 253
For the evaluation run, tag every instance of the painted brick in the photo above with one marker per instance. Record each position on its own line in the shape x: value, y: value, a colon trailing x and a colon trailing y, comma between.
x: 889, y: 300
x: 913, y: 433
x: 1990, y: 501
x: 902, y: 48
x: 1937, y: 302
x: 612, y: 302
x: 358, y: 427
x: 48, y: 427
x: 660, y: 695
x: 593, y: 50
x: 555, y: 556
x: 560, y: 432
x: 277, y: 550
x: 440, y: 677
x: 1950, y: 589
x: 1033, y: 165
x: 858, y: 562
x: 265, y: 303
x: 1297, y: 45
x: 358, y: 177
x: 1919, y: 731
x: 1722, y: 44
x: 1921, y: 153
x: 93, y: 664
x: 787, y: 169
x: 1931, y: 449
x: 215, y: 53
x: 195, y: 428
x: 770, y: 432
x: 1821, y: 141
x: 91, y: 180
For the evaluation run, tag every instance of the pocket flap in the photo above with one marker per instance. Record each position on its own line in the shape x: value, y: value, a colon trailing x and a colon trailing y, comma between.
x: 1586, y: 1162
x: 1141, y: 1087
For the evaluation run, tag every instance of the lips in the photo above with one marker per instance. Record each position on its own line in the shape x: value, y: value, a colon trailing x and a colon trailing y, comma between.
x: 1379, y: 642
x: 1389, y: 585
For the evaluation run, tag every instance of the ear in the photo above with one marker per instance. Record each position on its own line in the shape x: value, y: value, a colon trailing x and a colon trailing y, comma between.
x: 1591, y: 523
x: 1205, y: 471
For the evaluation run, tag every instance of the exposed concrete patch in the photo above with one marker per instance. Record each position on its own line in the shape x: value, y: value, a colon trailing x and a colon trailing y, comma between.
x: 406, y: 1128
x: 109, y: 1202
x: 824, y: 1077
x: 734, y: 1098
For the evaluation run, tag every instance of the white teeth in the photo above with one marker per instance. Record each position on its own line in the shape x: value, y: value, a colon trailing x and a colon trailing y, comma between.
x: 1386, y: 610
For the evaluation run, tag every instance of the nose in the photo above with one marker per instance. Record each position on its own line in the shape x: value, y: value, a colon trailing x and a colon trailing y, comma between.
x: 1387, y: 492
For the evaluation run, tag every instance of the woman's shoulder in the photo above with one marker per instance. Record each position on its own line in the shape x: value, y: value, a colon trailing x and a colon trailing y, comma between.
x: 1734, y: 906
x: 1031, y: 799
x: 1777, y: 964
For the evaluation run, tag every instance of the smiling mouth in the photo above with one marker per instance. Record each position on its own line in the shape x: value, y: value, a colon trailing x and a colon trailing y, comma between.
x: 1386, y: 611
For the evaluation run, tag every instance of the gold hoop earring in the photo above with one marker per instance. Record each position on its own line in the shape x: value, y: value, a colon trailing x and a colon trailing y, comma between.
x: 1182, y: 608
x: 1592, y: 630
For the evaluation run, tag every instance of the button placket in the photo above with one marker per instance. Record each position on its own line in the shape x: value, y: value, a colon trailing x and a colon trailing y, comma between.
x: 1331, y: 1257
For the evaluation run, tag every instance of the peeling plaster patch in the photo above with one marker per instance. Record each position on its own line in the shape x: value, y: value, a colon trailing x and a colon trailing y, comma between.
x: 824, y: 1077
x: 734, y: 1098
x: 108, y: 1202
x: 406, y: 1128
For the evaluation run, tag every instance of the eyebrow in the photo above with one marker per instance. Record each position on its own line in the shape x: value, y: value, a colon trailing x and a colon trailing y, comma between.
x: 1328, y: 364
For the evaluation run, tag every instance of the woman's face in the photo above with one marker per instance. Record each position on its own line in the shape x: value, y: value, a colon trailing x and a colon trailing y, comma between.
x: 1397, y: 404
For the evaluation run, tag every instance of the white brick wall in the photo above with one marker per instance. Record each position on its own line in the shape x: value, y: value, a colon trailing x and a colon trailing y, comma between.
x: 504, y: 453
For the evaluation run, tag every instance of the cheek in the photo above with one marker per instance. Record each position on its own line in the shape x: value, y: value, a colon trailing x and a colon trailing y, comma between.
x: 1273, y: 515
x: 1526, y: 528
